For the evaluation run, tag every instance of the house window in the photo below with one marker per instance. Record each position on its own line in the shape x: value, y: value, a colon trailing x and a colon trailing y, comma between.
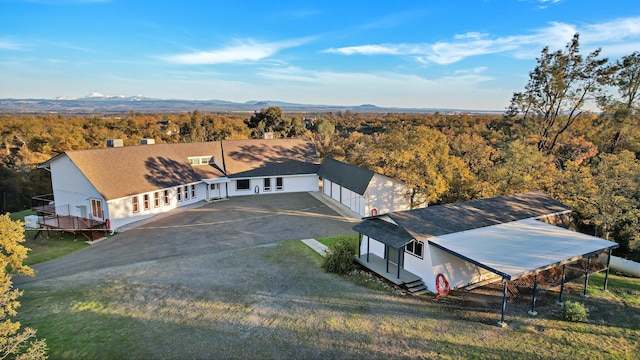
x: 279, y: 184
x: 145, y: 202
x: 414, y: 247
x: 167, y: 200
x: 156, y: 199
x: 186, y: 192
x: 242, y: 184
x: 135, y: 201
x: 179, y: 193
x: 96, y: 208
x: 193, y: 191
x: 267, y: 184
x: 200, y: 160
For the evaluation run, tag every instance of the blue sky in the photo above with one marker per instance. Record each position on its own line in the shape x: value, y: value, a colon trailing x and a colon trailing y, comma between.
x: 427, y: 54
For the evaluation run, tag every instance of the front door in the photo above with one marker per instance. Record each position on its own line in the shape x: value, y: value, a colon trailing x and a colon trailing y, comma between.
x: 96, y: 209
x: 393, y: 255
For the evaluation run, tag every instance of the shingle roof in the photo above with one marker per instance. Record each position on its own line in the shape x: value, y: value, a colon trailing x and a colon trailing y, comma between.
x: 451, y: 218
x: 124, y: 171
x: 354, y: 178
x: 251, y: 158
x: 384, y: 231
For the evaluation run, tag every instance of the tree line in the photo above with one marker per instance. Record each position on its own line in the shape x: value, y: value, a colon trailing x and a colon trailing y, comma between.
x: 573, y: 132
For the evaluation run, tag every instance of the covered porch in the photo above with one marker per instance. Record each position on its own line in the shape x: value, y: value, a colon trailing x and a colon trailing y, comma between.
x: 392, y: 272
x: 395, y: 240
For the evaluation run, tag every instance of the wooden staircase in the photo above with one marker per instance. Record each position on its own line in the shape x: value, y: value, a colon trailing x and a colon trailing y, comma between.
x: 92, y: 234
x: 417, y: 287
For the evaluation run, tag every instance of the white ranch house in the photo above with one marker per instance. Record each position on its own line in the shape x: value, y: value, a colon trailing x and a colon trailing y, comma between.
x: 120, y: 185
x: 115, y: 186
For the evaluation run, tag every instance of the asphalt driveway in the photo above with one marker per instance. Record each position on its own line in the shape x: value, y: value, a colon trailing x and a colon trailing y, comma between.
x: 236, y: 223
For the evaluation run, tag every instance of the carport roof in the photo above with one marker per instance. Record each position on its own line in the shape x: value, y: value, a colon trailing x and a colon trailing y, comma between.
x: 520, y: 248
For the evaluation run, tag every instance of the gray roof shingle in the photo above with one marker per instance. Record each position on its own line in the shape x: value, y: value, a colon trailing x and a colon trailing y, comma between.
x: 354, y: 178
x: 451, y: 218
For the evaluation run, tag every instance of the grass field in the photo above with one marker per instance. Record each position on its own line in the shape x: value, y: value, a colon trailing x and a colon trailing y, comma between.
x: 48, y: 245
x: 275, y: 302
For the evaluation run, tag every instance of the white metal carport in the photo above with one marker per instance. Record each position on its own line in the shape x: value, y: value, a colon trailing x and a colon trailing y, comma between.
x: 516, y: 249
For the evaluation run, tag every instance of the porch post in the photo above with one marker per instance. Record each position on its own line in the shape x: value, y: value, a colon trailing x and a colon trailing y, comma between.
x: 501, y: 323
x: 368, y: 248
x: 606, y: 274
x: 533, y: 311
x: 586, y: 279
x: 359, y: 245
x: 399, y: 251
x: 386, y: 255
x: 564, y: 267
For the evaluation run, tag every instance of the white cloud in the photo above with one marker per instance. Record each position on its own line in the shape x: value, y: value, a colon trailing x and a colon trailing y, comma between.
x: 242, y: 51
x: 470, y: 44
x: 9, y: 45
x: 462, y: 89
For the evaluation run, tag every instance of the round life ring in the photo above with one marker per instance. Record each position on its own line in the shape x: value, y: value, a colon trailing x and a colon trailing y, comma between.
x: 107, y: 223
x: 442, y: 285
x: 374, y: 212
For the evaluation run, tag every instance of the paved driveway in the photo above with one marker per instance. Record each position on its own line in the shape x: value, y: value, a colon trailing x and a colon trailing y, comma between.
x: 239, y: 222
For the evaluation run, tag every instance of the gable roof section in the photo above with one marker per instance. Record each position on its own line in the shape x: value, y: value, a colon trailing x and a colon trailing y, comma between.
x: 452, y: 218
x: 125, y: 171
x: 352, y: 177
x: 384, y: 231
x: 272, y: 157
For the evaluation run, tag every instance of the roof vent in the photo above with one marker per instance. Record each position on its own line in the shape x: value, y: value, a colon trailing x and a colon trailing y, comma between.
x: 115, y: 143
x: 147, y: 141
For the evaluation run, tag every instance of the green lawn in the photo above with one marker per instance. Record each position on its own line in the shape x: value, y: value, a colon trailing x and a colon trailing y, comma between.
x: 254, y: 314
x: 44, y: 248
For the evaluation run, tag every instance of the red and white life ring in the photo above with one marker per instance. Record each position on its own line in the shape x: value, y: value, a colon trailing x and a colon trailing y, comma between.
x: 374, y: 212
x: 442, y: 285
x: 107, y: 224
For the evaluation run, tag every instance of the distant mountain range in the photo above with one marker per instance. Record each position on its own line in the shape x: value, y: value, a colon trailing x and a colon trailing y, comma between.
x: 98, y: 103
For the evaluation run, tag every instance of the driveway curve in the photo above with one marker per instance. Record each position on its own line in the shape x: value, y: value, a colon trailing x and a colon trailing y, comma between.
x: 235, y: 223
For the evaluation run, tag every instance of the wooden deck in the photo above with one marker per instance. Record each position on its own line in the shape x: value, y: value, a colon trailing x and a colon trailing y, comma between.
x: 69, y: 223
x: 379, y: 266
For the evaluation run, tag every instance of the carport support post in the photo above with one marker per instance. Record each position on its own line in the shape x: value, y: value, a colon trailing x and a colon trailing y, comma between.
x: 564, y: 267
x: 359, y: 245
x: 533, y: 311
x: 606, y: 274
x: 586, y: 279
x: 501, y: 323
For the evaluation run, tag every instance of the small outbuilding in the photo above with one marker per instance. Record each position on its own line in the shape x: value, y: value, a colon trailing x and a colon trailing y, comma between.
x: 474, y: 243
x: 361, y: 190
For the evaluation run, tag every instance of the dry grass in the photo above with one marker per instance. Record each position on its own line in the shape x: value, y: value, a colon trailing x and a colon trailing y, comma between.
x: 275, y: 302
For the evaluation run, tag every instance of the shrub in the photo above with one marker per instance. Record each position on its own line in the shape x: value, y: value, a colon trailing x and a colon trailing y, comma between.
x: 574, y: 311
x: 339, y: 260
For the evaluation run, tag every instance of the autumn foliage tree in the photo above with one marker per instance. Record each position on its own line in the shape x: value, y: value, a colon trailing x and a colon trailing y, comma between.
x: 13, y: 342
x: 558, y: 89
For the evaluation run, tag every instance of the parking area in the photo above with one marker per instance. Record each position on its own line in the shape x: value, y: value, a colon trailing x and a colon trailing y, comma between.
x: 235, y: 223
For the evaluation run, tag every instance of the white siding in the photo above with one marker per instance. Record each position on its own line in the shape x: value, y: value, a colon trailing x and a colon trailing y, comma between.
x: 458, y: 272
x: 386, y: 195
x: 71, y: 189
x: 292, y: 183
x: 121, y: 210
